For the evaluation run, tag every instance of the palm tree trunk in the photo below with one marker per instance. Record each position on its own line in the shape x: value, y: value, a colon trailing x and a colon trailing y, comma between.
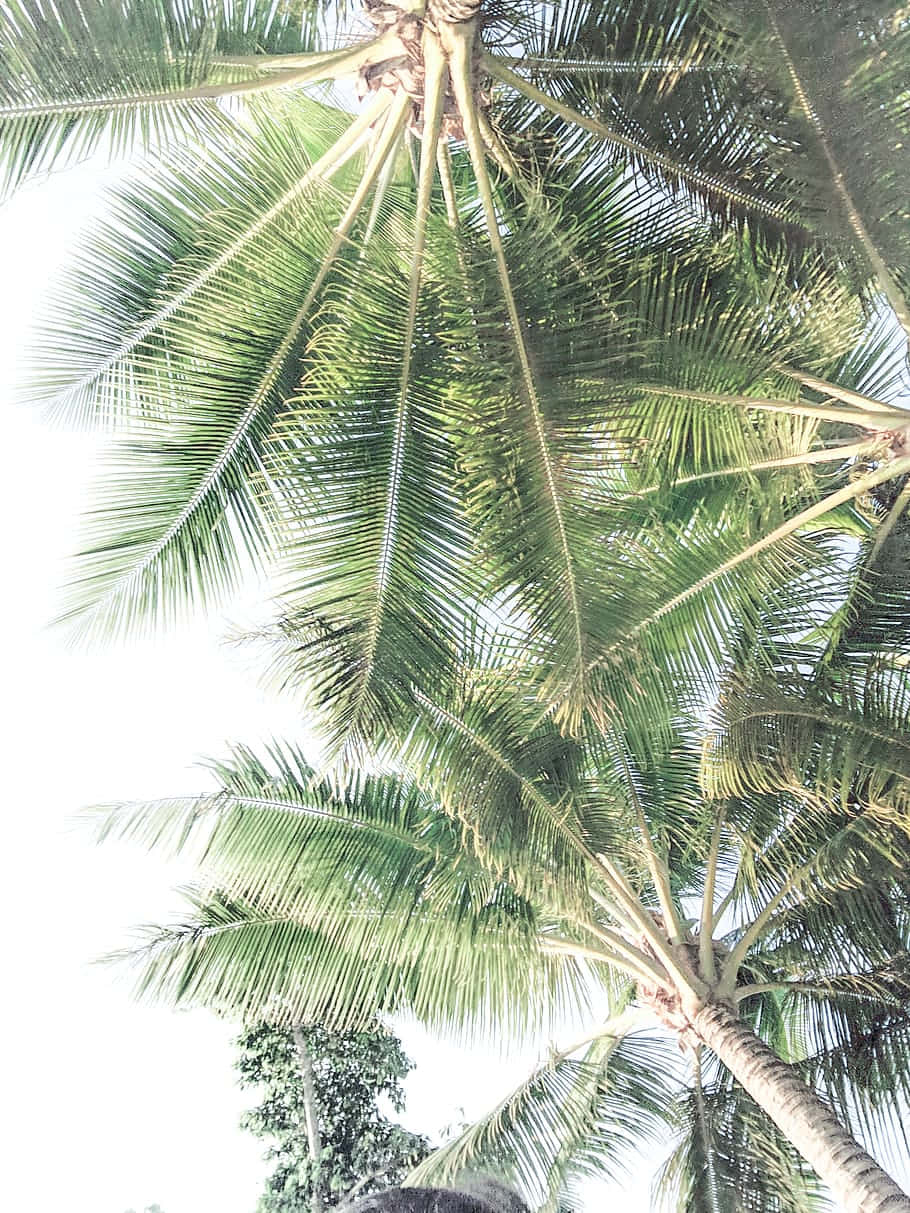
x: 854, y: 1177
x: 311, y: 1115
x: 454, y: 12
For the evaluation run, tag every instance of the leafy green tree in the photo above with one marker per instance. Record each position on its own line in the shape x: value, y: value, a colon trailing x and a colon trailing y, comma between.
x: 330, y: 1141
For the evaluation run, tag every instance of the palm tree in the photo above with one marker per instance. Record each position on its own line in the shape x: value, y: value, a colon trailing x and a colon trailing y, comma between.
x: 738, y: 891
x: 529, y: 377
x: 410, y: 385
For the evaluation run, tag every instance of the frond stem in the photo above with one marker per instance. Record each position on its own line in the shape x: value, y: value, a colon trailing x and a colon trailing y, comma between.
x: 434, y: 89
x: 618, y: 957
x: 660, y: 875
x: 706, y: 929
x: 829, y: 454
x: 459, y: 42
x: 897, y: 468
x: 722, y: 906
x: 869, y: 419
x: 890, y: 521
x: 641, y: 918
x: 845, y: 394
x: 326, y: 67
x: 313, y: 59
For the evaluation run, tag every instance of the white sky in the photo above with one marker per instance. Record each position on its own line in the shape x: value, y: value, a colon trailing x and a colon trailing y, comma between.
x: 110, y: 1105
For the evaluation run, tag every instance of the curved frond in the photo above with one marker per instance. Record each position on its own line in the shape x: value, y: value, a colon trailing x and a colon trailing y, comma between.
x: 78, y: 76
x: 731, y: 1159
x: 580, y: 1114
x: 324, y: 901
x: 238, y: 248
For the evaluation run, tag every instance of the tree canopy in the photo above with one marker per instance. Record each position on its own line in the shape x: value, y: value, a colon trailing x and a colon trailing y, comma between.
x: 361, y: 1149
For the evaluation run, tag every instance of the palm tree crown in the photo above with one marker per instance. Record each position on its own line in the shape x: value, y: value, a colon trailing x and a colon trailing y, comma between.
x: 418, y: 389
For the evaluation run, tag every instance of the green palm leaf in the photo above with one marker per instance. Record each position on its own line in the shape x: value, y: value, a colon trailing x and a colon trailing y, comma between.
x: 681, y: 109
x: 238, y: 252
x: 294, y: 903
x: 730, y: 1159
x: 579, y: 1114
x: 75, y: 77
x: 851, y: 97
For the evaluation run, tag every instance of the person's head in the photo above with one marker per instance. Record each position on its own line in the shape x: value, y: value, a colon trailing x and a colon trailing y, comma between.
x: 474, y: 1194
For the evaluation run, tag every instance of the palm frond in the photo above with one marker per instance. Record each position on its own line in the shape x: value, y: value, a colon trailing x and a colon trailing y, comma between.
x: 684, y: 110
x: 298, y: 917
x: 455, y: 969
x: 79, y: 76
x: 731, y: 1159
x: 239, y: 249
x: 850, y: 94
x: 579, y: 1114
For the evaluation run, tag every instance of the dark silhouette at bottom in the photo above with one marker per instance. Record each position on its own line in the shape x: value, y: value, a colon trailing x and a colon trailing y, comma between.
x: 476, y: 1195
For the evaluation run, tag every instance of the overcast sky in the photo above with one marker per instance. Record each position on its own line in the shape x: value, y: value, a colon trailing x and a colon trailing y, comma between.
x: 111, y: 1105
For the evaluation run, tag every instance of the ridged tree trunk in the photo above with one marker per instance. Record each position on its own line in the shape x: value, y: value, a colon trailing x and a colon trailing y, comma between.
x: 856, y: 1180
x: 314, y: 1137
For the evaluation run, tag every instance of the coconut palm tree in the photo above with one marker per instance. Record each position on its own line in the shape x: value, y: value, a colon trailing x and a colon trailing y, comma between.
x: 410, y: 383
x: 526, y: 377
x: 735, y: 891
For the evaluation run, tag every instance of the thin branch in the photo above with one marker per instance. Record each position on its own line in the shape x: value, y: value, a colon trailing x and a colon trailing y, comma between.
x: 111, y: 103
x: 444, y: 167
x: 527, y: 786
x: 311, y: 1115
x: 614, y: 1029
x: 631, y: 912
x: 756, y: 928
x: 702, y: 1116
x: 500, y: 153
x: 382, y: 186
x: 774, y: 987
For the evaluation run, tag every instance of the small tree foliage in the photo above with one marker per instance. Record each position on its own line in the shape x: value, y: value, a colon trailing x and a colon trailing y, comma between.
x: 362, y: 1149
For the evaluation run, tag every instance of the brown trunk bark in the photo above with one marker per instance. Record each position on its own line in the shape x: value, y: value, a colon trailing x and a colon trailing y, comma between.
x: 854, y: 1177
x: 313, y: 1136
